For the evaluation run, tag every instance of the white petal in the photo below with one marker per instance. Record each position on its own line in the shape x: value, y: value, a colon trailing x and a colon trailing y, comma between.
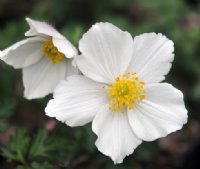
x: 65, y: 47
x: 152, y: 57
x: 23, y: 53
x: 76, y: 101
x: 38, y: 28
x: 71, y: 69
x: 106, y: 52
x: 115, y: 136
x: 41, y: 78
x: 161, y: 113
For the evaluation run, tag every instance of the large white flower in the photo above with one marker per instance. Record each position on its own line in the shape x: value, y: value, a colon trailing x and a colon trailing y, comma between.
x: 45, y: 59
x: 121, y: 91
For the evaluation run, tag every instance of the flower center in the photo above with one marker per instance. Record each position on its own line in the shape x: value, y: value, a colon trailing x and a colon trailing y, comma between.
x: 51, y: 52
x: 124, y: 92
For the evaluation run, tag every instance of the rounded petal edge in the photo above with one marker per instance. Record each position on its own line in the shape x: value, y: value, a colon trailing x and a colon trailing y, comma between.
x: 115, y: 137
x: 76, y: 101
x: 152, y: 57
x: 106, y: 52
x: 23, y: 53
x: 38, y: 28
x: 161, y: 113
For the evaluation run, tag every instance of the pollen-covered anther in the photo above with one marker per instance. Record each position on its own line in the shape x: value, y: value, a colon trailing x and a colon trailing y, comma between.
x: 51, y: 52
x: 124, y: 92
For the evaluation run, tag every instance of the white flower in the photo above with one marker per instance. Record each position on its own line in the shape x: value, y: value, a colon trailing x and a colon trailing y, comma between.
x: 45, y: 59
x: 121, y: 91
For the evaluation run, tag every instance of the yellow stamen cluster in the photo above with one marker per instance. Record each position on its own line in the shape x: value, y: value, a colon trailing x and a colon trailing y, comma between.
x: 124, y: 92
x: 51, y: 52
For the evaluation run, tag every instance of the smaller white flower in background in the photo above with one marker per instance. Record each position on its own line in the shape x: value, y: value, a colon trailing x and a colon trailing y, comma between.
x: 46, y: 58
x: 121, y: 91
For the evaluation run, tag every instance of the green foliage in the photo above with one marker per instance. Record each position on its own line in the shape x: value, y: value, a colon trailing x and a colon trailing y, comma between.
x: 66, y: 147
x: 74, y: 32
x: 33, y: 152
x: 18, y: 147
x: 37, y: 148
x: 10, y: 35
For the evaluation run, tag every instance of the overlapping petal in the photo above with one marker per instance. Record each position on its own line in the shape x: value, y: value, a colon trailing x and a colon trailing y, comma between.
x: 41, y: 78
x: 70, y: 68
x: 152, y: 57
x: 65, y: 47
x: 38, y: 28
x: 23, y: 53
x: 106, y: 52
x: 161, y: 113
x: 76, y: 101
x: 115, y: 136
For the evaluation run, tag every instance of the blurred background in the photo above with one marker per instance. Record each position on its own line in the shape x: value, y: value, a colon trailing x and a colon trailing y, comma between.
x: 31, y: 140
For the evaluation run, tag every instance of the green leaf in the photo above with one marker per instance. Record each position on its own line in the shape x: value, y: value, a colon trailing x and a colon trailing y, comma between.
x: 37, y: 148
x: 17, y: 150
x: 8, y: 154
